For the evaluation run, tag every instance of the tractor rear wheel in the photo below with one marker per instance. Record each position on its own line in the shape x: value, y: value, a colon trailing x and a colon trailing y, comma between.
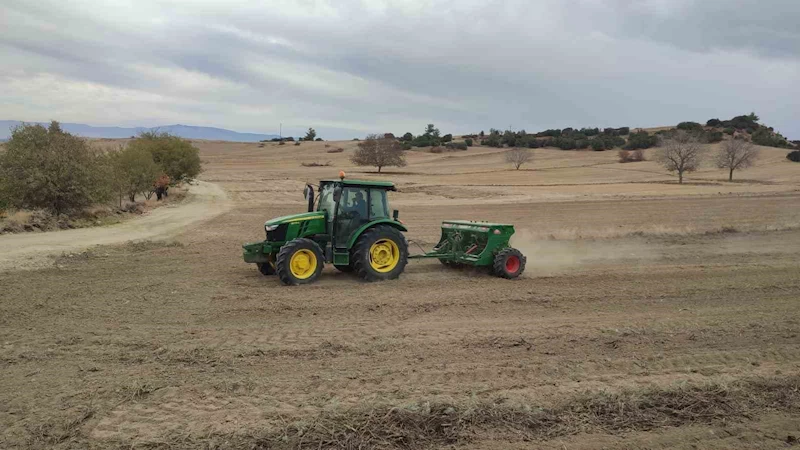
x: 299, y: 262
x: 381, y: 253
x: 509, y: 263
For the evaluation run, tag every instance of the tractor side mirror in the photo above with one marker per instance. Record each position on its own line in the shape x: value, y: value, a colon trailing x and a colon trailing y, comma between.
x: 395, y: 215
x: 305, y: 192
x: 337, y: 194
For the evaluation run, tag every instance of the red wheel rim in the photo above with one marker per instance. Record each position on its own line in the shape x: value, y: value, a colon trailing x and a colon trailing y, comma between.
x: 512, y: 264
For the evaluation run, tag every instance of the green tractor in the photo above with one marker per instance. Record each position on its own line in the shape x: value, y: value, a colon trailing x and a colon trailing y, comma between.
x: 348, y: 225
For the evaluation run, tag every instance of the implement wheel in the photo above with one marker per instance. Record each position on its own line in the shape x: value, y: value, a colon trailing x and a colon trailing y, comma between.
x: 299, y: 262
x: 381, y: 253
x: 509, y: 263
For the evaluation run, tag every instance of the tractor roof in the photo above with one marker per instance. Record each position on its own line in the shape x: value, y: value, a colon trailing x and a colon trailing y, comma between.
x: 369, y: 183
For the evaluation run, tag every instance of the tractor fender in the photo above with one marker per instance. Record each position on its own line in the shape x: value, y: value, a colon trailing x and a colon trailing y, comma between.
x: 369, y: 225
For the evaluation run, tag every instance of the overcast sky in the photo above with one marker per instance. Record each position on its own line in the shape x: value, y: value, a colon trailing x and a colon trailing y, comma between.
x: 348, y: 68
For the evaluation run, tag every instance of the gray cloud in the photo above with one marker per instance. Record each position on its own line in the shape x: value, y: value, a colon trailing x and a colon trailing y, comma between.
x: 348, y: 68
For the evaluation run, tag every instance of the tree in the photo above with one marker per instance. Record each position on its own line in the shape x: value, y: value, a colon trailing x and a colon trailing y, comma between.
x: 51, y: 169
x: 681, y: 152
x: 518, y: 156
x: 431, y: 131
x: 379, y: 152
x: 134, y: 172
x: 310, y: 135
x: 177, y: 157
x: 408, y: 137
x: 736, y: 154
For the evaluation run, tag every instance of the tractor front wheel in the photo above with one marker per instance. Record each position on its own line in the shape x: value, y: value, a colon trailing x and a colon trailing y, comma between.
x: 266, y: 268
x: 381, y: 253
x: 299, y: 262
x: 509, y: 263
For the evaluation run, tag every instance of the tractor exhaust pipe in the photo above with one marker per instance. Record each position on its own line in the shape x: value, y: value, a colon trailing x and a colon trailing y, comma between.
x: 309, y: 192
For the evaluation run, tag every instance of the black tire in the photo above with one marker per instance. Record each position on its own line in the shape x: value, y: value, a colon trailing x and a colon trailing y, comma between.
x: 341, y: 268
x: 266, y: 269
x: 509, y: 263
x: 360, y: 257
x: 289, y: 249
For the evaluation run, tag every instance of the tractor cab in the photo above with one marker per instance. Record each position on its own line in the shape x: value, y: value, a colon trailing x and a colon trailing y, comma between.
x: 350, y: 205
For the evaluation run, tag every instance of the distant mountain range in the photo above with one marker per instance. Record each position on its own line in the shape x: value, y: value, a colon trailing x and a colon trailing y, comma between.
x: 184, y: 131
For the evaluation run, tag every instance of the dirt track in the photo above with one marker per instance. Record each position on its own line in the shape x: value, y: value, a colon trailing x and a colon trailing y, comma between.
x: 30, y: 250
x: 178, y: 343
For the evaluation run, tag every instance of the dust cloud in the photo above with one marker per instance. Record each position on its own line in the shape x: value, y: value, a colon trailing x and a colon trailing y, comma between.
x: 550, y: 257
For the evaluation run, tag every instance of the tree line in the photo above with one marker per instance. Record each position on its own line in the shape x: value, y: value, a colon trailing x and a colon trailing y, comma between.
x: 49, y: 168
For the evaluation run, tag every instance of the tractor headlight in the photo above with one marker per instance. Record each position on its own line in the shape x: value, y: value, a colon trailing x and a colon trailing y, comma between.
x: 270, y: 227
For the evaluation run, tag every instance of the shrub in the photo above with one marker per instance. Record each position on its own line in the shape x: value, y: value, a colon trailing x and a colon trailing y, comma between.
x: 457, y: 145
x: 793, y: 156
x: 408, y: 137
x: 714, y: 123
x: 468, y: 141
x: 52, y: 169
x: 624, y: 131
x: 316, y: 164
x: 318, y: 139
x: 729, y: 131
x: 598, y: 145
x: 766, y: 137
x: 641, y: 140
x: 379, y: 152
x: 447, y: 137
x: 549, y: 133
x: 713, y: 136
x: 177, y: 157
x: 436, y: 149
x: 297, y: 143
x: 626, y: 156
x: 494, y: 140
x: 690, y: 126
x: 335, y: 150
x: 406, y: 146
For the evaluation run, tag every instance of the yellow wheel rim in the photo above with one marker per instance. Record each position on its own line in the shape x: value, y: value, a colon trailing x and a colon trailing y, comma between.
x: 303, y: 264
x: 384, y: 255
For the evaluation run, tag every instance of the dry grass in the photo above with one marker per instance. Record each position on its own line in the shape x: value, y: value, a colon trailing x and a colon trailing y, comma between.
x: 432, y: 424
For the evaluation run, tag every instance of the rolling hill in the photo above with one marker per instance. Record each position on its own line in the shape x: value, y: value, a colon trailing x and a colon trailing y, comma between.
x: 184, y: 131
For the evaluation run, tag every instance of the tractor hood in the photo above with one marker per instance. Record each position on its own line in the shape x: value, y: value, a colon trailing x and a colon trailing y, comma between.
x: 295, y: 218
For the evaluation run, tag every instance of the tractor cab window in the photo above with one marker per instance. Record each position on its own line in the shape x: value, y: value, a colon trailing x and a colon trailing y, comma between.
x: 377, y: 204
x: 352, y: 213
x: 326, y: 202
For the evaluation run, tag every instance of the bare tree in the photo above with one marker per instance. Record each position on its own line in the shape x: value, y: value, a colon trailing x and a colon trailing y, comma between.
x: 518, y: 156
x: 681, y: 152
x: 736, y: 154
x: 379, y: 152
